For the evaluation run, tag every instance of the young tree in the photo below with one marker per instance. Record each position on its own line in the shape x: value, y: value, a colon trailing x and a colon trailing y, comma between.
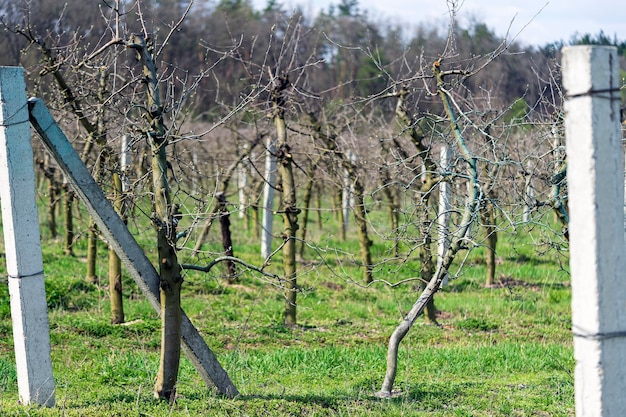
x: 470, y: 213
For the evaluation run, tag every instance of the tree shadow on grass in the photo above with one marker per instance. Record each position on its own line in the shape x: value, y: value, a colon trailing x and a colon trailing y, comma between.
x: 419, y: 397
x: 431, y: 395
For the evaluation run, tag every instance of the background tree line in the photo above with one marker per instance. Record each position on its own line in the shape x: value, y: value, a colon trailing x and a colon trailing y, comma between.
x: 355, y: 54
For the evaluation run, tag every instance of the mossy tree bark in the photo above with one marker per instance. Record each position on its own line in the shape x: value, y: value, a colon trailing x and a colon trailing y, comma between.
x: 227, y: 242
x: 165, y: 225
x: 92, y: 253
x: 68, y: 218
x: 288, y: 207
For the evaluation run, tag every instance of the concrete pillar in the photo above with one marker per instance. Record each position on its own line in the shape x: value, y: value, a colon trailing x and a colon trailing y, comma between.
x: 242, y: 183
x: 23, y: 249
x: 443, y: 217
x: 347, y: 193
x: 529, y: 193
x: 125, y: 161
x: 268, y: 198
x: 596, y: 199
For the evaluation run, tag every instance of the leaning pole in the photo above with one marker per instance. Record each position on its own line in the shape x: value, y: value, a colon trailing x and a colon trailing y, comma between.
x: 29, y: 312
x: 595, y: 177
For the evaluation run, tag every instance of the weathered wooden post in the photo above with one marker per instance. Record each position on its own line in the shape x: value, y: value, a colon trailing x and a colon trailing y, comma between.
x: 23, y: 250
x: 596, y: 200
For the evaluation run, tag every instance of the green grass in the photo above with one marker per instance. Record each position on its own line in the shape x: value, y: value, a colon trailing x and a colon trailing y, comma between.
x: 501, y: 351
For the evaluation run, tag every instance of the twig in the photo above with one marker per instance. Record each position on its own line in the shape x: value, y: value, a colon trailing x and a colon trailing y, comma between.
x: 210, y: 265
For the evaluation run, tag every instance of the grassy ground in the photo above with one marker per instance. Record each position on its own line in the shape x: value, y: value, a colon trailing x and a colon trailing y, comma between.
x: 501, y: 351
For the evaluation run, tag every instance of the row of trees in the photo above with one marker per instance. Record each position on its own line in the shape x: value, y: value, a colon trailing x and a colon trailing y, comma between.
x: 355, y: 107
x: 354, y: 54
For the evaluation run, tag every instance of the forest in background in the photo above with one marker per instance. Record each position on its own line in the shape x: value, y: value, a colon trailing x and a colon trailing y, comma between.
x: 227, y: 45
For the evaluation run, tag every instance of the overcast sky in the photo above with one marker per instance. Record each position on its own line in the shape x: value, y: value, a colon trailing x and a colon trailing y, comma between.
x: 540, y: 21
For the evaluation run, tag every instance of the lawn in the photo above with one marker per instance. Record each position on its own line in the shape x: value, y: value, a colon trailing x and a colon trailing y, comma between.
x: 500, y: 351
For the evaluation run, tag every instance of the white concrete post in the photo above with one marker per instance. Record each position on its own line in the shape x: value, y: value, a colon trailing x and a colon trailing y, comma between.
x: 596, y: 199
x: 443, y: 217
x: 268, y: 198
x: 23, y: 250
x: 347, y: 193
x: 125, y: 163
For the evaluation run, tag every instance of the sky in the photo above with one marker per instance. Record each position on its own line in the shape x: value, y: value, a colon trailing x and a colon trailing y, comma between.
x: 533, y: 22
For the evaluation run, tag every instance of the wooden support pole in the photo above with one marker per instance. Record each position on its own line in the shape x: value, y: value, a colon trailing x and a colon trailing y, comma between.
x: 23, y: 249
x: 596, y: 201
x: 120, y: 239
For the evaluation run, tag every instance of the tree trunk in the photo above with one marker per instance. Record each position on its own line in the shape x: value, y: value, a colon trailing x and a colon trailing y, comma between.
x: 68, y: 238
x: 115, y: 264
x: 365, y: 242
x: 115, y: 288
x: 306, y: 201
x: 288, y: 207
x: 489, y: 224
x: 338, y: 209
x: 255, y: 220
x: 92, y: 253
x: 427, y: 268
x: 169, y: 269
x: 52, y: 190
x: 472, y: 206
x: 402, y: 330
x: 52, y: 206
x: 227, y: 242
x: 320, y: 219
